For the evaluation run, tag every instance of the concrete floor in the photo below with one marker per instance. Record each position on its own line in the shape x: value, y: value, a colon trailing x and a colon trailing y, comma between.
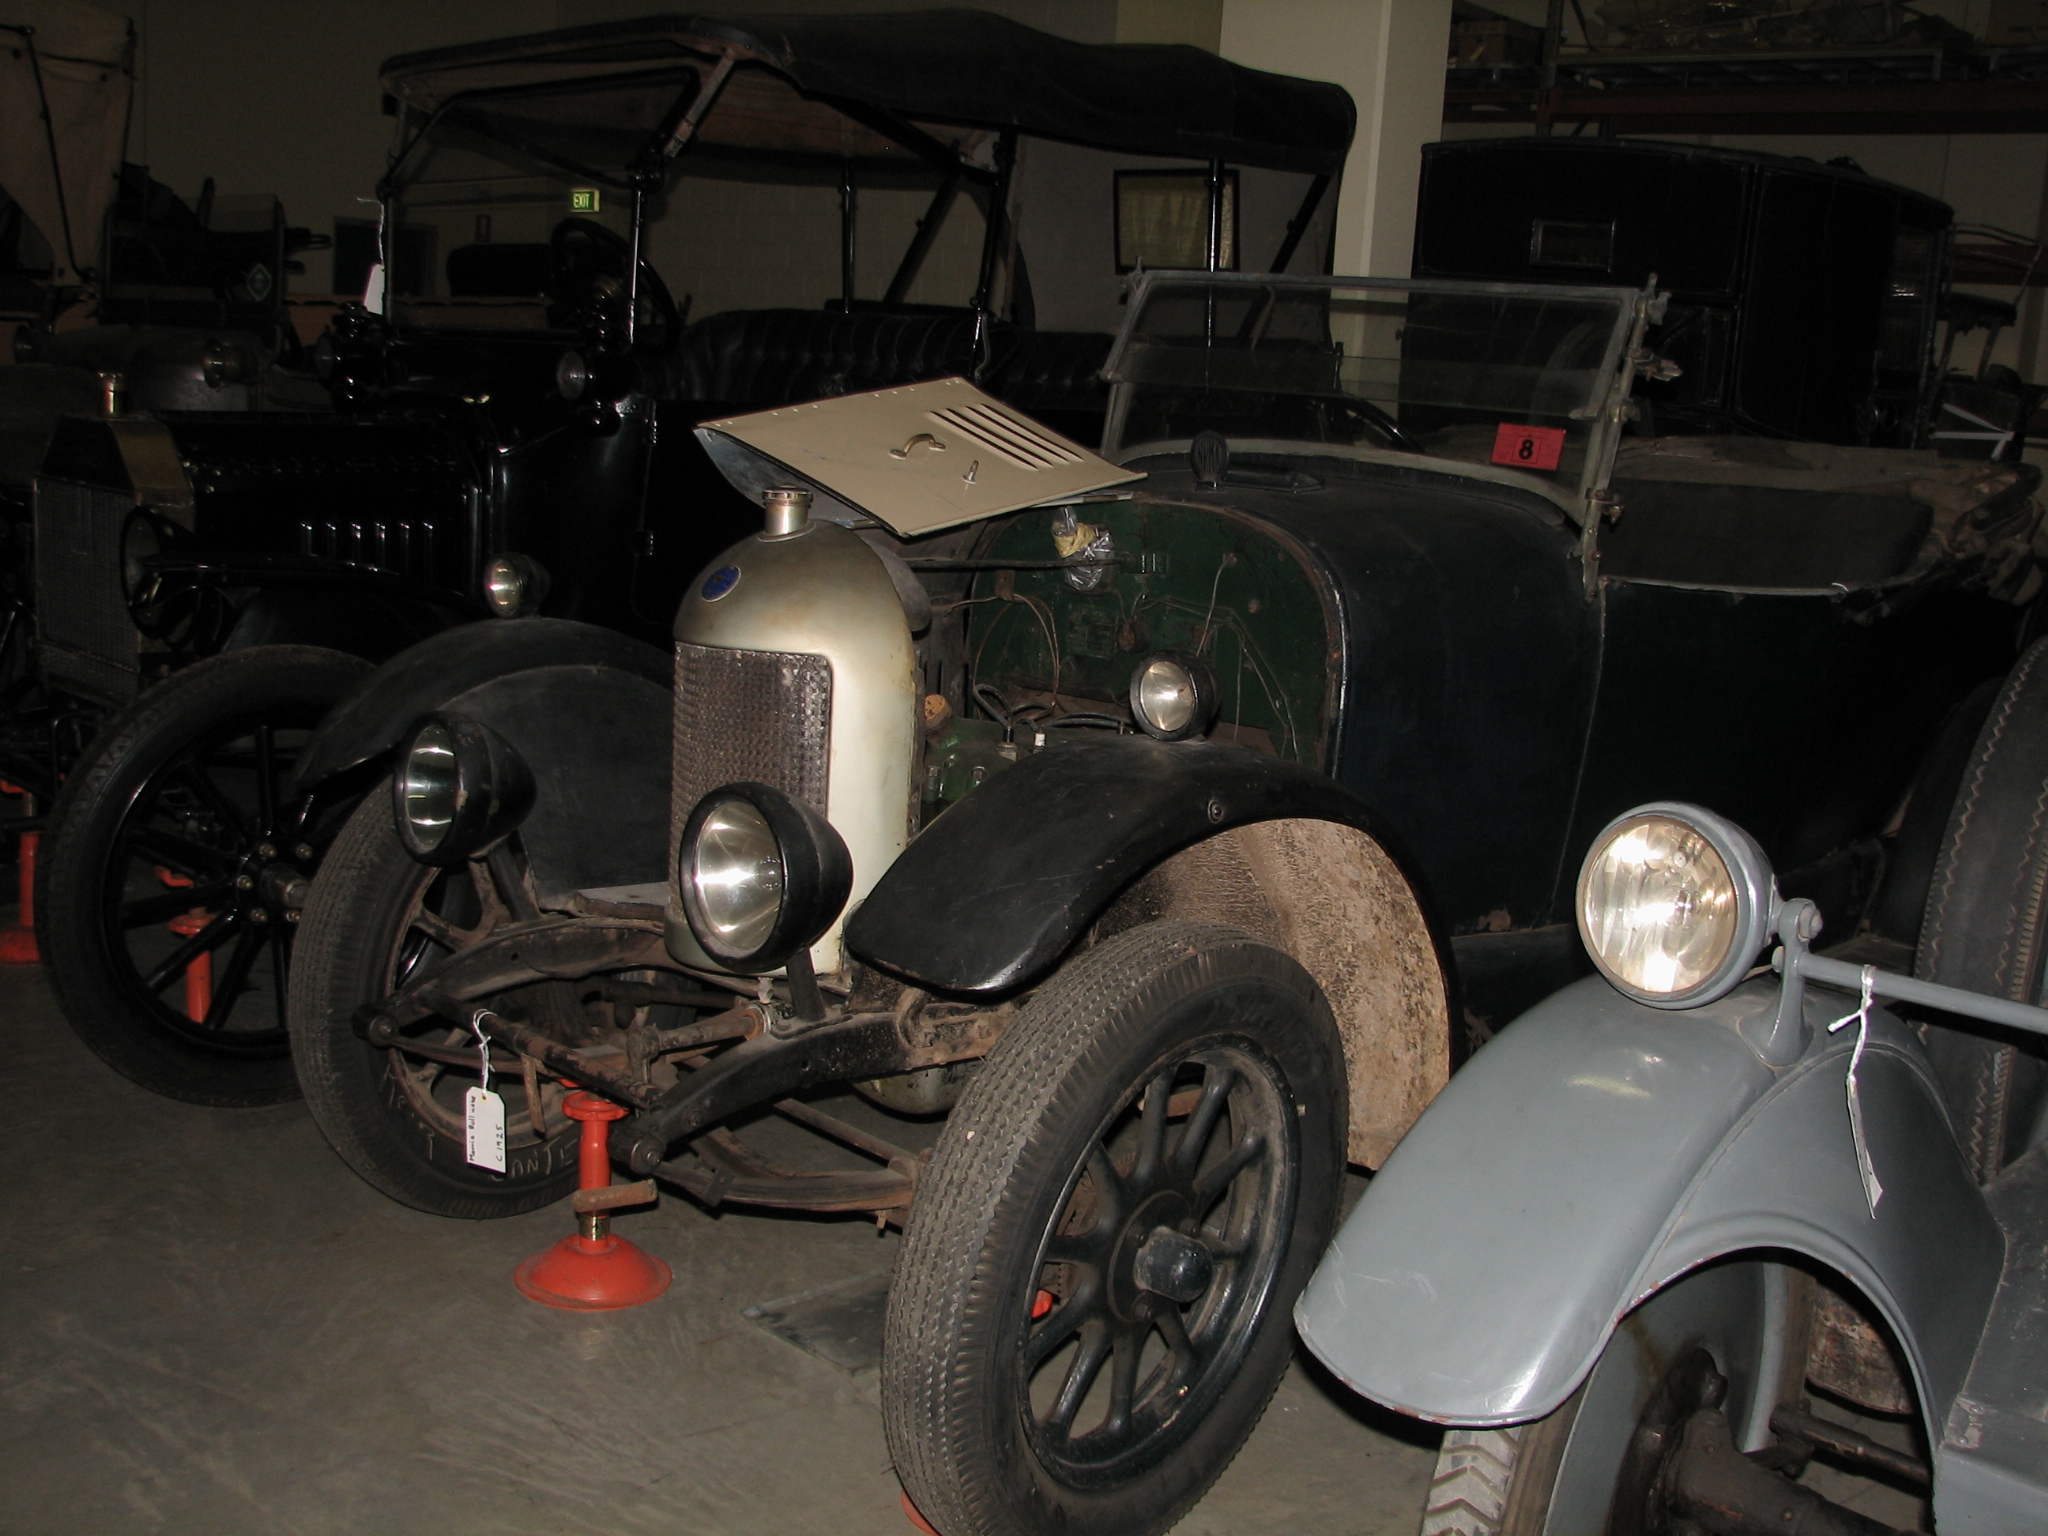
x: 208, y: 1324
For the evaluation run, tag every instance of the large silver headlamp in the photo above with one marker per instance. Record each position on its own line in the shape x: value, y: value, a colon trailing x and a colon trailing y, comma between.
x: 458, y: 788
x: 760, y: 875
x: 1173, y: 696
x: 1674, y: 903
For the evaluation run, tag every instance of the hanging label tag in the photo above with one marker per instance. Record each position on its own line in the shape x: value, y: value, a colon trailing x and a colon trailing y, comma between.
x: 1528, y: 447
x: 483, y: 1126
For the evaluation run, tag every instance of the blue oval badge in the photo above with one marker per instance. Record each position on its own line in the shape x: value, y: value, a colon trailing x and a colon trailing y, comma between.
x: 720, y: 582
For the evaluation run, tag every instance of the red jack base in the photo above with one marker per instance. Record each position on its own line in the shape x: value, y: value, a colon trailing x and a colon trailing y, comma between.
x: 18, y: 944
x: 917, y: 1519
x: 580, y: 1274
x: 593, y: 1271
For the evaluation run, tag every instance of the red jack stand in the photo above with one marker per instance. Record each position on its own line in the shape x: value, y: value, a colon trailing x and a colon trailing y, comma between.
x: 199, y: 969
x: 917, y: 1519
x: 595, y: 1271
x: 18, y: 944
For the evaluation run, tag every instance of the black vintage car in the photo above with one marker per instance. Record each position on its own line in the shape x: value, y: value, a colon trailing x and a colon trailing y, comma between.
x: 1170, y: 820
x: 1808, y: 301
x: 961, y: 186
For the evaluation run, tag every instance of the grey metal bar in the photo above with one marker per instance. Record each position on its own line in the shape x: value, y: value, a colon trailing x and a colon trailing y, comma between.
x: 1995, y: 1010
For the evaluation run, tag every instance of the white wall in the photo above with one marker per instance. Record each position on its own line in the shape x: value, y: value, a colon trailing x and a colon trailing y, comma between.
x: 1390, y: 55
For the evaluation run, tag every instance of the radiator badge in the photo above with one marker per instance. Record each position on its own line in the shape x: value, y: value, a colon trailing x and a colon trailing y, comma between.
x: 720, y: 582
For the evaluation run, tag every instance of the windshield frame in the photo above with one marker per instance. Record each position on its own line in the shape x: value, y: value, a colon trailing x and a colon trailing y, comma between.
x: 1578, y: 502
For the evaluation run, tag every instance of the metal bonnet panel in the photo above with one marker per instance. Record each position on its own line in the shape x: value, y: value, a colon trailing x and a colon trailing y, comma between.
x: 915, y: 459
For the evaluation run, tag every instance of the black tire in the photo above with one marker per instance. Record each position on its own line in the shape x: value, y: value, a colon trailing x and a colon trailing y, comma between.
x: 395, y: 1119
x: 1170, y: 1021
x: 1984, y: 927
x: 166, y: 815
x: 1584, y: 1469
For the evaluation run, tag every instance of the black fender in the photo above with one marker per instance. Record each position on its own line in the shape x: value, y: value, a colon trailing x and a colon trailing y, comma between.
x: 367, y: 622
x: 587, y: 708
x: 994, y: 891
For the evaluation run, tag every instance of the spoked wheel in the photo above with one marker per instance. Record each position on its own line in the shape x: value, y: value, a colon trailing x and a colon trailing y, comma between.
x: 167, y: 908
x: 1091, y: 1305
x: 1716, y: 1341
x: 375, y: 917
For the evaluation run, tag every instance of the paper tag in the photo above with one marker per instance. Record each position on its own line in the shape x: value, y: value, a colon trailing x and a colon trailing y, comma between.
x: 1528, y: 447
x: 483, y: 1127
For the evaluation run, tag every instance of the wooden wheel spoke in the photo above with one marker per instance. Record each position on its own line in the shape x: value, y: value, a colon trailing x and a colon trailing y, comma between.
x: 266, y: 777
x: 1109, y: 1188
x: 204, y: 941
x: 1152, y: 1130
x: 1123, y: 1379
x: 1194, y: 1140
x: 231, y: 980
x: 1081, y: 1373
x: 1073, y: 1313
x: 1187, y: 1355
x: 1214, y: 1181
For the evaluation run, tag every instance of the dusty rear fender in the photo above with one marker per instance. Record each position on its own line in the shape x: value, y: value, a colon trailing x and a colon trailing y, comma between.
x: 1598, y: 1149
x: 1125, y: 830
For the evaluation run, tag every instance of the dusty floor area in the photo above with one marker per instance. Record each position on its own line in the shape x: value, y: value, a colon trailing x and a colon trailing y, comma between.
x: 208, y: 1324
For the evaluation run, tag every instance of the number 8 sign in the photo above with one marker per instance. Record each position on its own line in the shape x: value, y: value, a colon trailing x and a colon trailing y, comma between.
x: 1521, y: 447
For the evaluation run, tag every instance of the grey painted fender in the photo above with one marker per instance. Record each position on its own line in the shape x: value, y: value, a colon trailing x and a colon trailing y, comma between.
x: 587, y: 708
x: 1596, y: 1150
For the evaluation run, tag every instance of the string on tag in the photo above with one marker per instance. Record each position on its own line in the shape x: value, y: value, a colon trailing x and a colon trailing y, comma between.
x: 483, y: 1044
x: 1872, y: 1190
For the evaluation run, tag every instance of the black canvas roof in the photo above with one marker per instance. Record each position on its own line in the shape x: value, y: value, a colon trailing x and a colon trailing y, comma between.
x: 958, y: 68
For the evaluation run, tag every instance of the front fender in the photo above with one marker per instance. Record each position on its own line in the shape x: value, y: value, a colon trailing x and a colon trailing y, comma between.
x: 1024, y: 863
x: 368, y: 722
x: 1598, y: 1149
x: 588, y: 709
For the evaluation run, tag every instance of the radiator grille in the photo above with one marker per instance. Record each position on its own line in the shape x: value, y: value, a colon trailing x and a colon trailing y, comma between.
x: 764, y: 716
x: 87, y: 639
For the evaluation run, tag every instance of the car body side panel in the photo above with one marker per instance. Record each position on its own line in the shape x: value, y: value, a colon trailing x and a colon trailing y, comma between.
x: 1700, y: 686
x: 1448, y: 631
x: 1597, y: 1149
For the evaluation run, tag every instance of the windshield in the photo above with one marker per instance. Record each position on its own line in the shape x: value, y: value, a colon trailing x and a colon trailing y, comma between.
x: 1516, y: 379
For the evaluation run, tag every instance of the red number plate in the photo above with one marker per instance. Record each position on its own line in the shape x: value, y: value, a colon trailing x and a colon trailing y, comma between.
x: 1528, y: 447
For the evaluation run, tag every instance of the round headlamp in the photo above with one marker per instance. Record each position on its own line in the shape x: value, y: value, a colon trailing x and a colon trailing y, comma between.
x: 459, y: 787
x: 760, y: 874
x: 1673, y: 904
x: 514, y: 585
x: 1173, y: 696
x: 572, y: 375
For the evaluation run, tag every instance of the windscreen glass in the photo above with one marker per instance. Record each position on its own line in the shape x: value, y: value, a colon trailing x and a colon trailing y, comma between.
x: 1513, y: 379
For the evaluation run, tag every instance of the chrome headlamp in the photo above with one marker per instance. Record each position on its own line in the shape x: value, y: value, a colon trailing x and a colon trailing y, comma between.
x: 1674, y: 903
x: 459, y: 787
x: 514, y: 585
x: 1173, y: 696
x: 760, y: 874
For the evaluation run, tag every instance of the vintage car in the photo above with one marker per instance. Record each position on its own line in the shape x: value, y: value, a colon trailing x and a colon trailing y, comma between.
x: 1805, y: 298
x: 1625, y: 1250
x: 520, y: 412
x: 1168, y: 816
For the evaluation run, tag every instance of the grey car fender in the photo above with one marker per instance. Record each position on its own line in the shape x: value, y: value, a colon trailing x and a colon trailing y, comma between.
x: 1599, y: 1148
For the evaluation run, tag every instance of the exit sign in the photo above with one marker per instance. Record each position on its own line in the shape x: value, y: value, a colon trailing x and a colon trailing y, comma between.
x: 583, y: 200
